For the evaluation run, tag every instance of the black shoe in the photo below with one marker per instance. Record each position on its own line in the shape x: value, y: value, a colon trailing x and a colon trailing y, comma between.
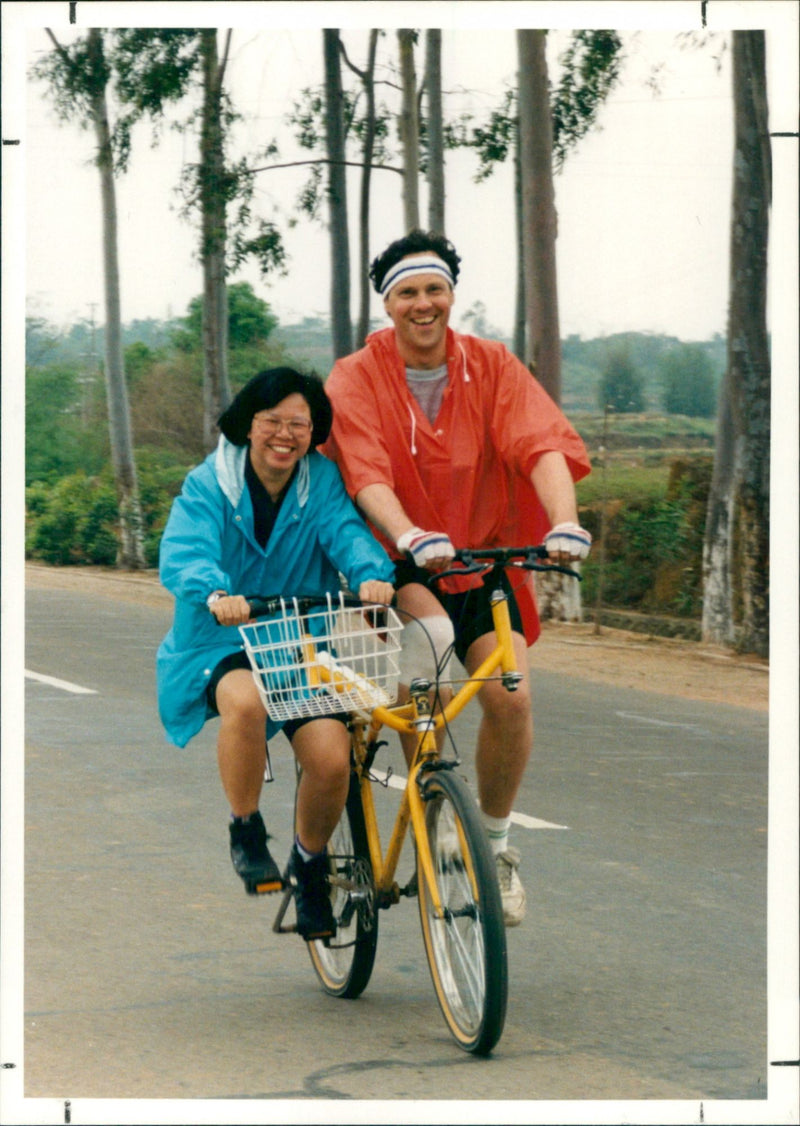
x: 251, y: 857
x: 312, y: 896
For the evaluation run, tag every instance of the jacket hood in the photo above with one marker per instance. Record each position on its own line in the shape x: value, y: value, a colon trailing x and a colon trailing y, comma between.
x: 229, y: 463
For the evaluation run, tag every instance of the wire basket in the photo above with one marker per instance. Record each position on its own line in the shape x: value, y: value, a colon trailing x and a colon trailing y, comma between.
x: 330, y: 659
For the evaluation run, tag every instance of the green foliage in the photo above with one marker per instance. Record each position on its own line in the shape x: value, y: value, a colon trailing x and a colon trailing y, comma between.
x: 621, y: 385
x: 590, y: 69
x: 250, y: 320
x: 73, y: 521
x: 688, y: 383
x: 61, y: 434
x: 73, y: 75
x: 307, y: 117
x: 654, y: 541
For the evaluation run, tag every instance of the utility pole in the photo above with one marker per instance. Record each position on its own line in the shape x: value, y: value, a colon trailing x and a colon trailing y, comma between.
x: 90, y: 372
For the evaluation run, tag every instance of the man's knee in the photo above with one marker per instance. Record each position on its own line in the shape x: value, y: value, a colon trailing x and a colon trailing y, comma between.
x: 427, y: 644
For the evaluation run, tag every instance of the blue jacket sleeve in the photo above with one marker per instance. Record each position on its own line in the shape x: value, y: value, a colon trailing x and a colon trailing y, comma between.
x: 191, y: 547
x: 346, y: 539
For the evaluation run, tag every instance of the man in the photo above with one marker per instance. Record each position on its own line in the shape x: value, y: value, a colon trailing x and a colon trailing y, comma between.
x: 447, y: 441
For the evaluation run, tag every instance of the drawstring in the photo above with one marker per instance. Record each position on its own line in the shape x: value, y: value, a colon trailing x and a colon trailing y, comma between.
x: 413, y: 430
x: 464, y: 356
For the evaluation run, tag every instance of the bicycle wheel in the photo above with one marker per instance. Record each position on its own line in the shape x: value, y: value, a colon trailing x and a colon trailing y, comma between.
x: 466, y: 948
x: 344, y: 965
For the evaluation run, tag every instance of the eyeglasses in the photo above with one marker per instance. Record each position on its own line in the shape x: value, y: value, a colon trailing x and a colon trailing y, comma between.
x: 272, y: 424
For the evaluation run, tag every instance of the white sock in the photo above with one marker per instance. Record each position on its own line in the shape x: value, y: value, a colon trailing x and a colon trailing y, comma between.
x: 497, y: 831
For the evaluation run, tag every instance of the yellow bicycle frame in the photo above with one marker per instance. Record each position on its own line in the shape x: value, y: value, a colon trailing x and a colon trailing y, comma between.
x: 415, y: 717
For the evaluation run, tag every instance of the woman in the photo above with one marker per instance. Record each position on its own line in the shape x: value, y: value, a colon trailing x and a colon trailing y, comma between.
x: 263, y: 514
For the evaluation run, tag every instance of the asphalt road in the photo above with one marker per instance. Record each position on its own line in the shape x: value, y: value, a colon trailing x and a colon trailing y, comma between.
x: 639, y: 973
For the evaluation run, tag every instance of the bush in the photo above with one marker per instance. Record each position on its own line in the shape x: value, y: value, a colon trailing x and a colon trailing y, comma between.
x: 621, y: 385
x: 73, y: 522
x: 653, y: 550
x: 76, y: 521
x: 687, y: 380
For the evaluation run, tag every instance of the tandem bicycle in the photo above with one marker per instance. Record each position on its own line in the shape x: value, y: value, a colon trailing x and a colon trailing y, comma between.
x: 310, y: 656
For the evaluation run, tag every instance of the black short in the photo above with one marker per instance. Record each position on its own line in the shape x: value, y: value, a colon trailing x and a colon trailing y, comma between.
x: 470, y: 610
x: 239, y: 660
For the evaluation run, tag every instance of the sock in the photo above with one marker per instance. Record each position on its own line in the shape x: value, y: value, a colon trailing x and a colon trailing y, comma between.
x: 243, y: 820
x: 305, y: 855
x: 497, y: 831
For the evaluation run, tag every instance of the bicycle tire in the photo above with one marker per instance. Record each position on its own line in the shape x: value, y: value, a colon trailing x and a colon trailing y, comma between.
x: 344, y: 964
x: 466, y: 950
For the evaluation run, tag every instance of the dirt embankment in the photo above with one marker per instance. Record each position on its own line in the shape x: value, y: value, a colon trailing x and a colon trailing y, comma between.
x: 669, y: 666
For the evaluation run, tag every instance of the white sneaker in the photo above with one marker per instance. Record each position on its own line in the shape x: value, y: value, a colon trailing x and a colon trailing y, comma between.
x: 511, y: 890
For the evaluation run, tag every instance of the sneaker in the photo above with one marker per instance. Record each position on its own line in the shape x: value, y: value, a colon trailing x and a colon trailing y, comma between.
x: 511, y: 890
x: 251, y: 858
x: 311, y: 896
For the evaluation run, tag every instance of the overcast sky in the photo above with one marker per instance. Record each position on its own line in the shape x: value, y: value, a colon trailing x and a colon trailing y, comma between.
x: 643, y: 203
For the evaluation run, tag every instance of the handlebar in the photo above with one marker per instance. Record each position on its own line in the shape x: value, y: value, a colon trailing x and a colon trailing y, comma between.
x: 473, y: 560
x: 480, y: 559
x: 261, y: 607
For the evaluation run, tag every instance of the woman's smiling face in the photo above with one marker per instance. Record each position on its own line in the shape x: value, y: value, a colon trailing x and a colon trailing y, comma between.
x: 279, y: 437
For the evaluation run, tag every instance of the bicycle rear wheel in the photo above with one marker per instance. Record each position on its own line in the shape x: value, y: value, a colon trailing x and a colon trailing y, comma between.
x: 344, y: 965
x: 466, y: 949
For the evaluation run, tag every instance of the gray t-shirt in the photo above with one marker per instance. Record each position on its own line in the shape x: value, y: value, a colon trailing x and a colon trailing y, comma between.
x: 427, y: 387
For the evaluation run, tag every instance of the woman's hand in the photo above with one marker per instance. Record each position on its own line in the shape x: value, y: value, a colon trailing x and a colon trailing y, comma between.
x: 376, y: 591
x: 231, y: 610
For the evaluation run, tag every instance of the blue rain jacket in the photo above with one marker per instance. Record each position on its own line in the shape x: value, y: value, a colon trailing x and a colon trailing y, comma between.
x: 209, y: 544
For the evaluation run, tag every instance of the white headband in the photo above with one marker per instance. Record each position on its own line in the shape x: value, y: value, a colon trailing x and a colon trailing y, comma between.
x: 409, y: 267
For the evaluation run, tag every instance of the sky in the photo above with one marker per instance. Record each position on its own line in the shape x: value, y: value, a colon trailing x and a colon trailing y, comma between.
x: 643, y: 202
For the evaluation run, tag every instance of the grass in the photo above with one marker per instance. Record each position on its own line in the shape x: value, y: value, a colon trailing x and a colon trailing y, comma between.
x: 624, y: 482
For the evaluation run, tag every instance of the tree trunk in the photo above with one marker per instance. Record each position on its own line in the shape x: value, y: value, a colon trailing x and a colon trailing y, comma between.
x: 216, y: 386
x: 368, y: 78
x: 433, y: 72
x: 131, y: 551
x: 559, y: 597
x: 736, y: 548
x: 518, y: 344
x: 409, y: 129
x: 341, y: 326
x: 539, y: 213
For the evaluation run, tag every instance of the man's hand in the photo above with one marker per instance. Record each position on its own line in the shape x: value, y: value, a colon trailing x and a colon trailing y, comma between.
x: 432, y: 550
x: 376, y: 591
x: 567, y: 543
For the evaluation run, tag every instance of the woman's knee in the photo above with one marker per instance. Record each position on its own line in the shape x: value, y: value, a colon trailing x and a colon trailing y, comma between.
x: 322, y: 748
x: 238, y: 701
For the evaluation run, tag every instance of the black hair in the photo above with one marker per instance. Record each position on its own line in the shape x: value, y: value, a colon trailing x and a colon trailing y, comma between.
x: 415, y: 242
x: 269, y: 388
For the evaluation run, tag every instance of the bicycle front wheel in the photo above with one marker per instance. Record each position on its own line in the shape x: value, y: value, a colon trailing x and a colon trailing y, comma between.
x: 344, y: 964
x: 466, y: 945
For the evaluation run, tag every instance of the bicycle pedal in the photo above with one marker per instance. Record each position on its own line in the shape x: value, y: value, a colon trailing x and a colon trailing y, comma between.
x: 263, y: 887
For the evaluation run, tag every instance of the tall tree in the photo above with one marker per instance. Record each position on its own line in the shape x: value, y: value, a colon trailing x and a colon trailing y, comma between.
x: 434, y: 129
x: 538, y: 211
x: 736, y: 548
x: 79, y: 77
x: 214, y: 191
x: 156, y: 67
x: 341, y: 325
x: 589, y: 69
x: 409, y: 127
x: 368, y: 133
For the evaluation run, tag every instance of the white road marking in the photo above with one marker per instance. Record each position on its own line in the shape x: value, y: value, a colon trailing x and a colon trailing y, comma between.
x: 398, y: 782
x: 66, y: 685
x: 655, y: 722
